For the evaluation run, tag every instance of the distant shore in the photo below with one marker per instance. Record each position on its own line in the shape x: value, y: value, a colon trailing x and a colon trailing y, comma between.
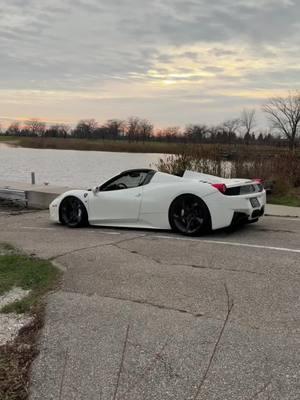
x: 122, y: 146
x: 125, y: 146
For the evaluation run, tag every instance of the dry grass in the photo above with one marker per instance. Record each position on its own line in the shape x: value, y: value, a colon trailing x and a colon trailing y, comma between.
x: 123, y: 146
x: 16, y: 359
x: 281, y: 169
x: 223, y: 150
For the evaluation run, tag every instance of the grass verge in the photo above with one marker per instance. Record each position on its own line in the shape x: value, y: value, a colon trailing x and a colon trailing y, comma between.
x: 19, y: 270
x: 285, y: 200
x: 6, y: 138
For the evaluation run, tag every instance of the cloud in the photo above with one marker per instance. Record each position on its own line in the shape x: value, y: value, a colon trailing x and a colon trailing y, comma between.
x: 140, y: 52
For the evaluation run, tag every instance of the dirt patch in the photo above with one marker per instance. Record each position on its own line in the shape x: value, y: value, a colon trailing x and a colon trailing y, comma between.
x: 16, y: 359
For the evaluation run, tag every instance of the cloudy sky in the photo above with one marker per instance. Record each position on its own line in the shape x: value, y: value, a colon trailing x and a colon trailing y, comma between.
x: 171, y: 61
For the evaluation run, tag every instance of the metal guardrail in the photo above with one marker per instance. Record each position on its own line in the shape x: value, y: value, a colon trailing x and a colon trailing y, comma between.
x: 14, y: 195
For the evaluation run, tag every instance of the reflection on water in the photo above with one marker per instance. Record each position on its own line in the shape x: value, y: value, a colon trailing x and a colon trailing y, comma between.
x: 68, y: 167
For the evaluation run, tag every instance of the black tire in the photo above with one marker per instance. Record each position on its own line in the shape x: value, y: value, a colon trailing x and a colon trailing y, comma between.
x: 189, y: 215
x: 73, y: 213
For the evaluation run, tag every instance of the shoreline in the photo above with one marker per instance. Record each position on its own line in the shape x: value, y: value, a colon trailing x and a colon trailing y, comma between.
x: 223, y: 150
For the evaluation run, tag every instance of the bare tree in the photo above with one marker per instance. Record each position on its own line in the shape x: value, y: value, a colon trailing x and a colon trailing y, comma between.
x: 146, y: 129
x: 13, y: 129
x: 133, y: 128
x: 114, y: 128
x: 196, y: 133
x: 170, y: 134
x: 284, y: 115
x: 35, y: 127
x: 248, y: 120
x: 85, y: 128
x: 58, y: 130
x: 231, y: 126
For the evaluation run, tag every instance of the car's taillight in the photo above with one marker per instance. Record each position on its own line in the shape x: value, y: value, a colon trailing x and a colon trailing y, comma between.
x: 258, y: 180
x: 220, y: 186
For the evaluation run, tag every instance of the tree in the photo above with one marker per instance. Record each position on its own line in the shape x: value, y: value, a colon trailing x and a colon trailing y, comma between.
x: 227, y: 132
x: 58, y: 130
x: 231, y: 126
x: 196, y: 133
x: 170, y: 134
x: 133, y: 127
x: 146, y: 130
x: 114, y: 128
x: 13, y: 129
x: 85, y: 128
x: 247, y: 120
x: 34, y: 127
x: 284, y: 115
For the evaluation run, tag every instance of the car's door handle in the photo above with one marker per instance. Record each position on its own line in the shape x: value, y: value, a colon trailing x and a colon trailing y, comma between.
x: 138, y: 195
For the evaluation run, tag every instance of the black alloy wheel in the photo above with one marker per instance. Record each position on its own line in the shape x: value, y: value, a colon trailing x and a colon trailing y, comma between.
x: 189, y: 215
x: 73, y: 212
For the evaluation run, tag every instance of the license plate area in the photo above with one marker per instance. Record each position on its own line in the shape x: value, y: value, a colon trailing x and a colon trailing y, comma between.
x: 254, y: 202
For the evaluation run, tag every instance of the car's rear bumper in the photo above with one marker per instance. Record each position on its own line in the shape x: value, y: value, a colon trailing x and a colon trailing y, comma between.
x: 240, y: 218
x: 227, y: 210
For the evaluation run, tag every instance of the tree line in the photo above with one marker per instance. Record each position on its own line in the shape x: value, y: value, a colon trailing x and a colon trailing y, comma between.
x: 282, y: 112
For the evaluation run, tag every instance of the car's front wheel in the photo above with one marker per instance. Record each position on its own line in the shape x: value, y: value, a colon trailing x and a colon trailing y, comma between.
x: 73, y: 212
x: 189, y: 215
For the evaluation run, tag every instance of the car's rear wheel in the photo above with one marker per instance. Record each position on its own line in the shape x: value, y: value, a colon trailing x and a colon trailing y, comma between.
x: 73, y: 212
x: 189, y: 215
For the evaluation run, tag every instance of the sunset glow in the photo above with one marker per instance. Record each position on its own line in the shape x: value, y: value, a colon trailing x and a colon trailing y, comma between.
x: 190, y: 62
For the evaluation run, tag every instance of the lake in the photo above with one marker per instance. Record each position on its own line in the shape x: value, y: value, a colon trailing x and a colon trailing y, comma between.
x: 68, y: 167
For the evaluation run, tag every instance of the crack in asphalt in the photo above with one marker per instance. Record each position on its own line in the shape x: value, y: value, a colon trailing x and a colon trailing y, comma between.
x: 148, y: 257
x: 93, y: 247
x: 157, y: 261
x: 139, y: 302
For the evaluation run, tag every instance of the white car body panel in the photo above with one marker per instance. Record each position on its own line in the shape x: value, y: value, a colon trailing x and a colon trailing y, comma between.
x: 148, y: 206
x: 115, y: 206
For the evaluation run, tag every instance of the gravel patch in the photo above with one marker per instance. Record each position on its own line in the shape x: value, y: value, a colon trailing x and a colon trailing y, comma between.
x: 14, y: 294
x: 10, y: 324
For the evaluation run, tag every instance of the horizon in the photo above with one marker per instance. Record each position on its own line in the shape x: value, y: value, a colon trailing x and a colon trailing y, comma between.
x: 171, y: 62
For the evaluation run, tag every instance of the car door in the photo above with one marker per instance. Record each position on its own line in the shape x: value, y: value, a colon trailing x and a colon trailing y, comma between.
x: 110, y: 204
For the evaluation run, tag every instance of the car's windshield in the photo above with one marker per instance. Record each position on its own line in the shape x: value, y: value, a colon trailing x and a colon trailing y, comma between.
x: 126, y: 181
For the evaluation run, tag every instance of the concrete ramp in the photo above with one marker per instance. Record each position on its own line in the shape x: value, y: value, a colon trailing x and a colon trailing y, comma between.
x: 33, y: 196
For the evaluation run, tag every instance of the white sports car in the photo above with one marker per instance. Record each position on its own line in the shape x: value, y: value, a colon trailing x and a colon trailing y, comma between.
x: 143, y: 198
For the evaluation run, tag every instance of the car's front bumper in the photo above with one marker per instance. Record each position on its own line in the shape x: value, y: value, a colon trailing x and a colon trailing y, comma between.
x: 54, y: 211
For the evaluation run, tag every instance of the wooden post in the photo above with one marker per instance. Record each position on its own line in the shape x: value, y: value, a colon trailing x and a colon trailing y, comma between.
x: 33, y: 178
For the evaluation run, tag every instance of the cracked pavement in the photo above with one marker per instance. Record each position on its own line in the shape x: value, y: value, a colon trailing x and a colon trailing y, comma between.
x: 144, y: 314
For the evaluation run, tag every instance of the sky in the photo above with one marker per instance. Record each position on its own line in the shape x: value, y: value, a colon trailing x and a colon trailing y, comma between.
x: 173, y: 62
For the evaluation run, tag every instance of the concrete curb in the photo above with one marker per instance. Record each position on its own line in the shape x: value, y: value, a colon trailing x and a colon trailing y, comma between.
x: 274, y: 210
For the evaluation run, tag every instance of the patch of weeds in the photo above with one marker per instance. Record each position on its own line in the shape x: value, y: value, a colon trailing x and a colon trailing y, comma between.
x: 16, y: 357
x: 18, y: 270
x: 6, y: 248
x: 285, y: 200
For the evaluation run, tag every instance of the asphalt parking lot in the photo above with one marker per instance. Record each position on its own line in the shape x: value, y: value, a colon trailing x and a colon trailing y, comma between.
x: 153, y: 315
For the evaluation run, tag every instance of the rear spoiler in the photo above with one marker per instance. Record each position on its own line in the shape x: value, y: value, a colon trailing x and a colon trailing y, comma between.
x: 211, y: 179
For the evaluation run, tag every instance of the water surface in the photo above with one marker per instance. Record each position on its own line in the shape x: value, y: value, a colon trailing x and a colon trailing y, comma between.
x: 68, y: 167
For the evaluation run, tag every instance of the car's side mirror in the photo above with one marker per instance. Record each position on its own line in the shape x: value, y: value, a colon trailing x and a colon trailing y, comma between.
x: 95, y: 189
